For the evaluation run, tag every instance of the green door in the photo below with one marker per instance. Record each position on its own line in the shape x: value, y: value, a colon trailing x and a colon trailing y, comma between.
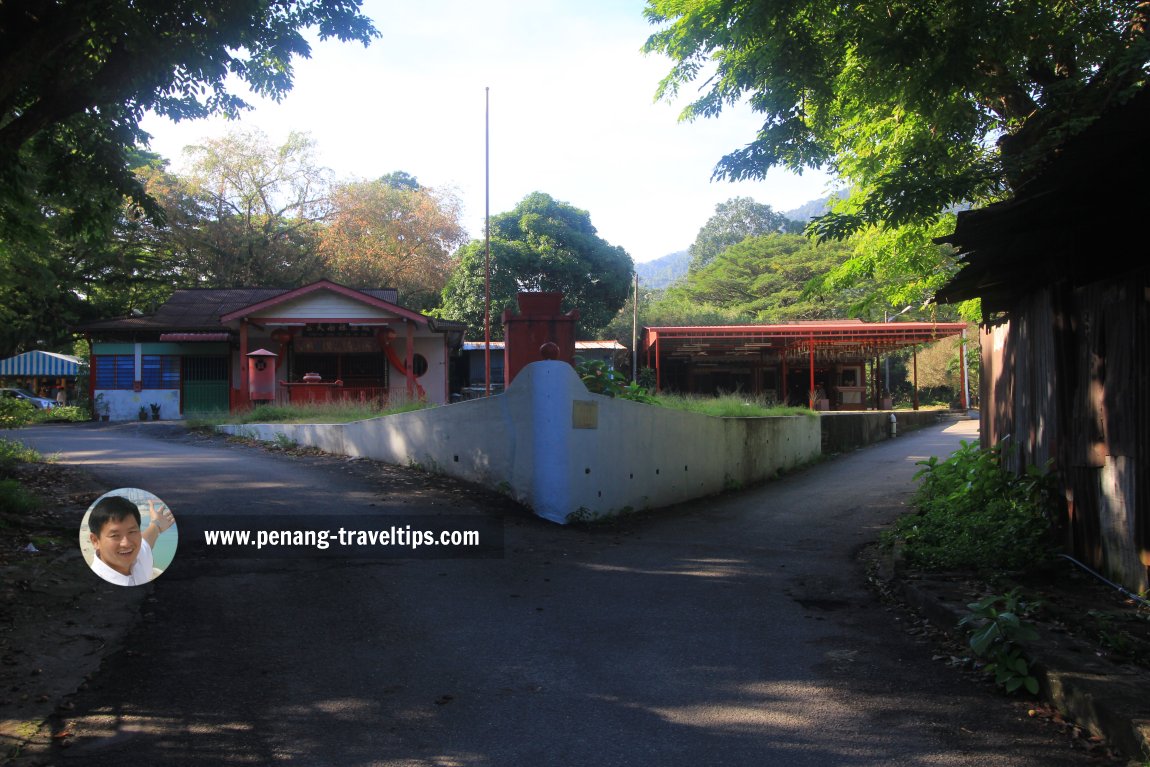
x: 206, y: 385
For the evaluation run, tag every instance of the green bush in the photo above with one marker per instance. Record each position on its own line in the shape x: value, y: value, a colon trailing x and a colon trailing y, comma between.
x: 13, y: 452
x: 14, y: 499
x: 15, y: 413
x: 73, y: 413
x: 601, y: 378
x: 974, y: 514
x: 998, y: 631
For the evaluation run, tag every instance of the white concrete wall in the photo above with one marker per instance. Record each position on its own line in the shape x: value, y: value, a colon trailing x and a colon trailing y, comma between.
x: 125, y: 405
x: 568, y: 453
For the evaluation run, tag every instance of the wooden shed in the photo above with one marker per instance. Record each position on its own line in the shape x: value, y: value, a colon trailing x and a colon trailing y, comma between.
x: 1062, y: 273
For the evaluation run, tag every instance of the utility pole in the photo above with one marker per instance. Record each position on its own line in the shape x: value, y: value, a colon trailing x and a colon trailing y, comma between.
x: 487, y: 240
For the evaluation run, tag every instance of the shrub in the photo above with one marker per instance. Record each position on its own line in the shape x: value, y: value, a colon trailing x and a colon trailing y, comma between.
x: 975, y: 514
x: 13, y: 452
x: 14, y: 499
x: 15, y: 413
x: 63, y: 413
x: 600, y: 378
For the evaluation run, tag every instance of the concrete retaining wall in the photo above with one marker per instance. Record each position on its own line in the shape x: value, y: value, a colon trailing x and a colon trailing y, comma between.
x: 567, y: 453
x: 845, y: 431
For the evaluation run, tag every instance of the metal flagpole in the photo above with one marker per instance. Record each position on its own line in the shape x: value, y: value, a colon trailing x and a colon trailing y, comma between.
x: 487, y: 238
x: 635, y: 332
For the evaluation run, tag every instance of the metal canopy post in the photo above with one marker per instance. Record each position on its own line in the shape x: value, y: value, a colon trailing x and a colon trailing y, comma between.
x: 812, y: 386
x: 914, y: 356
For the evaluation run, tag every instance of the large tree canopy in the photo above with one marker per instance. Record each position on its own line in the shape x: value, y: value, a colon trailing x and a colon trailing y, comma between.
x: 918, y: 104
x: 542, y: 244
x: 734, y: 221
x: 248, y: 213
x: 76, y: 77
x: 393, y: 233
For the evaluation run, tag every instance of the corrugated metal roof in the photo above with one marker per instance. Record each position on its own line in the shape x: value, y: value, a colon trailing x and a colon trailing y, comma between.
x: 40, y: 363
x: 469, y: 346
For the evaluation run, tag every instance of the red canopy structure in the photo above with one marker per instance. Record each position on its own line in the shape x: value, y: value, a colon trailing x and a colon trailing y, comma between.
x: 796, y: 360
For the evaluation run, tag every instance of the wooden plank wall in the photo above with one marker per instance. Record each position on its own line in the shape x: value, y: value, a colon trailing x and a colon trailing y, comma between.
x: 1065, y: 378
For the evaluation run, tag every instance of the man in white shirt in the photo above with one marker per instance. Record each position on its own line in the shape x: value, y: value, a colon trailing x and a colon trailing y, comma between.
x: 123, y: 552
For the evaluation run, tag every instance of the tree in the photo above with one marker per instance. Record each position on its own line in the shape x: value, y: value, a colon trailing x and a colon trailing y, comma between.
x: 735, y: 220
x: 542, y: 244
x: 764, y: 279
x: 918, y: 104
x: 248, y: 213
x: 399, y: 179
x: 393, y: 233
x: 68, y: 272
x: 76, y: 77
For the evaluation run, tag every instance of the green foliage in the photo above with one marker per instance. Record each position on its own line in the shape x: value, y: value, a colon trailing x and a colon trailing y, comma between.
x: 917, y: 106
x: 730, y: 406
x: 73, y: 413
x: 541, y: 245
x: 764, y: 279
x: 734, y: 221
x: 247, y: 213
x: 14, y: 499
x: 997, y: 630
x: 601, y: 378
x: 975, y: 514
x: 79, y: 77
x: 15, y: 413
x: 321, y: 412
x: 13, y: 452
x: 893, y: 266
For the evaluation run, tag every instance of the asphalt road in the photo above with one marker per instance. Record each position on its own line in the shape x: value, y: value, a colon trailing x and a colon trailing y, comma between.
x: 732, y: 631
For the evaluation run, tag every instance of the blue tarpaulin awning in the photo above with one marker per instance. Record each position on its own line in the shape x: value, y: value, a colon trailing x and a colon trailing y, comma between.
x: 38, y: 363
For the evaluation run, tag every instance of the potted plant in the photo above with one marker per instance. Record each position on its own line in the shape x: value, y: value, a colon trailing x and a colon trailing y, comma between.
x: 143, y: 413
x: 155, y: 406
x: 102, y: 408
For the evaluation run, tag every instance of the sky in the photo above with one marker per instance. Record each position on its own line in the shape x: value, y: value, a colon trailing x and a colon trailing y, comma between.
x: 568, y: 97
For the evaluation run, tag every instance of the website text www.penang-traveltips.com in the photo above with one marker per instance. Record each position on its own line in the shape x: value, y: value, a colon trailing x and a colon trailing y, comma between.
x: 400, y: 537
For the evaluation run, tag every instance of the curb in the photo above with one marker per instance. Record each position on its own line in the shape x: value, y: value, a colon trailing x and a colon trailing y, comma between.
x: 1110, y: 702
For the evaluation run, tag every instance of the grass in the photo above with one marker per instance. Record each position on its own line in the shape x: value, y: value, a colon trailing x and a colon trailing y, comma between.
x: 326, y: 412
x: 13, y: 452
x: 14, y: 499
x: 730, y: 406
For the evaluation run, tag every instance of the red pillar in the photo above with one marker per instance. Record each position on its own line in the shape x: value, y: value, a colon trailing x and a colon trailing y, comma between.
x: 245, y: 395
x: 811, y: 389
x: 409, y: 360
x: 658, y: 370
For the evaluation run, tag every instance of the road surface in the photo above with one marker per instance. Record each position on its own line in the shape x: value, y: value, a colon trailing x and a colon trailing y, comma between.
x: 731, y: 631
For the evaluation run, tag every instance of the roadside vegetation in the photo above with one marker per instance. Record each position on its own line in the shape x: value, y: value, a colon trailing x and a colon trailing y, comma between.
x: 974, y: 514
x: 319, y: 412
x: 14, y: 499
x: 991, y: 532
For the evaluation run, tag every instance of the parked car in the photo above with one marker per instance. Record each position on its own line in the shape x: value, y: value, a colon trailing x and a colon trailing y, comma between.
x: 43, y: 403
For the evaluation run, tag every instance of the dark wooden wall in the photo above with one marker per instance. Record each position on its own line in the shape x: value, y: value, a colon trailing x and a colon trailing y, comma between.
x: 1064, y: 380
